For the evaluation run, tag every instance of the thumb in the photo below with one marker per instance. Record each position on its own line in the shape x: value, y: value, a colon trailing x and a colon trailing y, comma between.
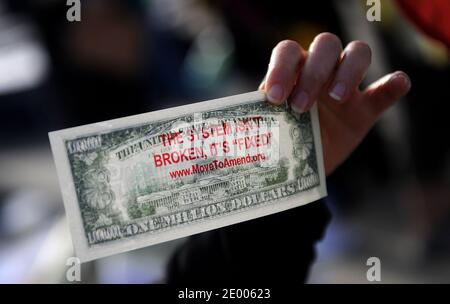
x: 384, y: 92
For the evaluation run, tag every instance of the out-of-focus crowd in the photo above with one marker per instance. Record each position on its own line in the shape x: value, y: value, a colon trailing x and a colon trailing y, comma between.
x: 391, y: 199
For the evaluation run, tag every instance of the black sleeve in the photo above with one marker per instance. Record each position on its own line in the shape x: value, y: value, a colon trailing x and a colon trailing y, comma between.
x: 279, y: 247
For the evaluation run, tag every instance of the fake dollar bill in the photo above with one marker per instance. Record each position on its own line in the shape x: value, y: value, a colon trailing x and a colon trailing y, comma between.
x: 150, y: 178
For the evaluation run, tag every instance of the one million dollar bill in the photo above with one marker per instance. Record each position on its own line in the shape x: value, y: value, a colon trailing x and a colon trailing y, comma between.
x: 145, y: 179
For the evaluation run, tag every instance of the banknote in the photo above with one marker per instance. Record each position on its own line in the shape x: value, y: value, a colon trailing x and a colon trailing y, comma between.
x: 140, y: 180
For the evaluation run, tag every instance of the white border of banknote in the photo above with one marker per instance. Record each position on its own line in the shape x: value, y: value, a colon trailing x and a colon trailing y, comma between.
x: 71, y: 204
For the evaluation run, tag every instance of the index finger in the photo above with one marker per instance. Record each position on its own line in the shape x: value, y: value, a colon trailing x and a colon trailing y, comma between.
x: 284, y: 66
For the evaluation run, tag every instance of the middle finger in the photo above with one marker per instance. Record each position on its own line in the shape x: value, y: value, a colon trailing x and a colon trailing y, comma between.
x: 323, y: 56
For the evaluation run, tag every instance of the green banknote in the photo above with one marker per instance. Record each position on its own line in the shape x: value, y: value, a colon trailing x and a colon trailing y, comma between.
x: 141, y: 180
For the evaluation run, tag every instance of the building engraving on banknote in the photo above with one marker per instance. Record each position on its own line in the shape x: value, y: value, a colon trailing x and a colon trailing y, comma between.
x: 130, y: 182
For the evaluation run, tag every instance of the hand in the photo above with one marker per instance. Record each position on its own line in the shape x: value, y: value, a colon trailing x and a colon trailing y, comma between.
x: 331, y: 76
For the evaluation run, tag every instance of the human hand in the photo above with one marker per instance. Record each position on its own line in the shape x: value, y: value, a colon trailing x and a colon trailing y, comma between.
x: 330, y: 76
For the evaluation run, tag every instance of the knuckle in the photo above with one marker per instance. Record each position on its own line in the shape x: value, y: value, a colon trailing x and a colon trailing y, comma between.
x: 361, y: 48
x: 331, y: 40
x: 288, y: 47
x: 319, y: 76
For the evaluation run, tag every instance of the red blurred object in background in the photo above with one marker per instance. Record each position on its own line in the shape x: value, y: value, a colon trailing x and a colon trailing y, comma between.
x: 431, y: 16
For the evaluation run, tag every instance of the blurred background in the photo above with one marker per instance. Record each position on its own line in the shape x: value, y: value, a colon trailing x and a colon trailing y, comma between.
x: 390, y: 200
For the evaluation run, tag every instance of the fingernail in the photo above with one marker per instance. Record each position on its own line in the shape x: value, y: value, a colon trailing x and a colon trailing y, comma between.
x: 275, y: 94
x: 295, y: 108
x: 338, y: 91
x: 300, y: 102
